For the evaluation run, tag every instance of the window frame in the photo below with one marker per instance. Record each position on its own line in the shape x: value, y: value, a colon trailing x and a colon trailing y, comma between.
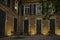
x: 40, y: 6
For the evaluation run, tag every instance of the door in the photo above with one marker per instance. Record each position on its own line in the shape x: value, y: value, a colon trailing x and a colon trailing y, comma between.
x: 38, y: 26
x: 26, y: 25
x: 2, y: 22
x: 15, y: 26
x: 52, y: 26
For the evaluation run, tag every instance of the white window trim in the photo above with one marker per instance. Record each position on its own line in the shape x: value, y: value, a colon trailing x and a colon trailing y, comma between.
x: 25, y: 9
x: 37, y: 9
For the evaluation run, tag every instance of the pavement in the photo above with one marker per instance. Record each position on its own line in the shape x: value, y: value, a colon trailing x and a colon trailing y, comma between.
x: 36, y: 37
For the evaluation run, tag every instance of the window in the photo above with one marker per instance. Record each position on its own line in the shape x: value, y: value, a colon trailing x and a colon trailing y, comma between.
x: 34, y: 11
x: 38, y: 9
x: 26, y: 26
x: 38, y: 26
x: 22, y: 9
x: 30, y: 9
x: 8, y: 3
x: 26, y: 10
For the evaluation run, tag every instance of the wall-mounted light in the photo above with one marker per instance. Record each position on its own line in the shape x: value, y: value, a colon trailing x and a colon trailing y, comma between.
x: 16, y: 8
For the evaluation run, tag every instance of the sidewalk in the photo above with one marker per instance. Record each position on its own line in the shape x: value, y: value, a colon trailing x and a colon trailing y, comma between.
x: 37, y: 37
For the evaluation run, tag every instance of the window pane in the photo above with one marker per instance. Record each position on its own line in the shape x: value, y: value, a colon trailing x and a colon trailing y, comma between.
x: 34, y: 9
x: 39, y: 10
x: 27, y: 11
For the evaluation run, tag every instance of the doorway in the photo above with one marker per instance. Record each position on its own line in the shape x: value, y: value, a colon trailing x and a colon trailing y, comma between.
x: 15, y: 26
x: 52, y: 26
x: 38, y: 26
x: 2, y: 22
x: 26, y: 26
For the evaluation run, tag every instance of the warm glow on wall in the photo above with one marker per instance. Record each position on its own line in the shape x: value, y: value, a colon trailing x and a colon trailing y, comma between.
x: 45, y: 31
x: 9, y: 25
x: 32, y: 31
x: 9, y: 32
x: 57, y: 31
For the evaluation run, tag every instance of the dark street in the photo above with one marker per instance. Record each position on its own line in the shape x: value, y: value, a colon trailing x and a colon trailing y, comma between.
x: 37, y: 37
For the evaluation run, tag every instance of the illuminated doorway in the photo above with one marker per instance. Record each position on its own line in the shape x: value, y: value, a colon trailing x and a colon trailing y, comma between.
x: 2, y: 22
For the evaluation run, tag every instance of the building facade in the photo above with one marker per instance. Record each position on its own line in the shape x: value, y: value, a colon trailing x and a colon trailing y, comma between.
x: 8, y: 18
x: 32, y: 14
x: 33, y: 17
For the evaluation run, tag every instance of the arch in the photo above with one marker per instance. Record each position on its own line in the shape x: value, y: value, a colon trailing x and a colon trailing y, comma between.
x: 9, y: 15
x: 7, y: 10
